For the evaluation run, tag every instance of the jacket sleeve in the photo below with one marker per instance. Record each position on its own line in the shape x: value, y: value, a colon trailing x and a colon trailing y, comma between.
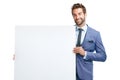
x: 99, y: 54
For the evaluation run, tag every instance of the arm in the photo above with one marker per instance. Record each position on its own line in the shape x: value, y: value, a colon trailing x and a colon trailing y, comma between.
x: 100, y: 54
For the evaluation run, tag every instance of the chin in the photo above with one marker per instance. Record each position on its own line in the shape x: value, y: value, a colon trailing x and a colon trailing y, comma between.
x: 79, y: 24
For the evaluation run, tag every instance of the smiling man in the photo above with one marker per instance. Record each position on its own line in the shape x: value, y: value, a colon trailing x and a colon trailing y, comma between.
x: 89, y: 46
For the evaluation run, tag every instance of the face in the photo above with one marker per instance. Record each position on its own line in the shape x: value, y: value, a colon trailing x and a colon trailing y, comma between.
x: 79, y: 16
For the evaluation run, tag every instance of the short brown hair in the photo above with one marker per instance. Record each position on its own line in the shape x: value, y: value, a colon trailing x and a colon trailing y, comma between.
x: 79, y: 5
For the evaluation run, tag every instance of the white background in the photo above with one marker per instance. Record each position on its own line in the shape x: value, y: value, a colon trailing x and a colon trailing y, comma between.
x: 103, y: 15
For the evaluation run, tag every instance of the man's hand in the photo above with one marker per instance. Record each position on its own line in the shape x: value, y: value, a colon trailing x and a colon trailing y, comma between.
x: 79, y: 50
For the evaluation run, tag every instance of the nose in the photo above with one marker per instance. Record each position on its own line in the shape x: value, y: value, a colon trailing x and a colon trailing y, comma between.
x: 77, y: 16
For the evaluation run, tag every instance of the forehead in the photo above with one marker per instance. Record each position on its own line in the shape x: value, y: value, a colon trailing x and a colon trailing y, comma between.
x: 77, y: 10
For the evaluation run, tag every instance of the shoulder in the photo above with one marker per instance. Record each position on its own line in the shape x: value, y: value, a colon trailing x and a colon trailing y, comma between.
x: 93, y: 32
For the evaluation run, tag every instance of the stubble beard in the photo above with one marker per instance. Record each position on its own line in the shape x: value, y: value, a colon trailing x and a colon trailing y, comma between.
x: 81, y: 22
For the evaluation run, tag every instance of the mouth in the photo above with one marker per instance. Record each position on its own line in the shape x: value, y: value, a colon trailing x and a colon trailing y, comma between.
x: 78, y: 20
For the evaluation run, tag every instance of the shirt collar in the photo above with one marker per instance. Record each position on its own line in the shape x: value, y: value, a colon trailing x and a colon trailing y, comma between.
x: 84, y: 27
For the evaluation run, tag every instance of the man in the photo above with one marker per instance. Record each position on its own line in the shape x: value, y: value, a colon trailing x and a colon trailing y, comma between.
x: 89, y: 46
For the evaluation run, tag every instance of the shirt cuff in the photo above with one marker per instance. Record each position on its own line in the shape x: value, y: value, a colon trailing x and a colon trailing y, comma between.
x: 85, y: 55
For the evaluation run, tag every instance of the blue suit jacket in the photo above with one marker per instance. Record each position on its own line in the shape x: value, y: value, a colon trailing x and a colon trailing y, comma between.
x: 93, y: 45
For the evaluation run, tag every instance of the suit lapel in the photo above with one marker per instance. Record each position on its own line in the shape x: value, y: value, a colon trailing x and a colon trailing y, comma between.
x: 86, y: 35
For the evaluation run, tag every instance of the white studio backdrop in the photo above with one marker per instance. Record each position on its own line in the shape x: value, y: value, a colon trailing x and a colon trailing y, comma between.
x: 44, y: 53
x: 103, y: 15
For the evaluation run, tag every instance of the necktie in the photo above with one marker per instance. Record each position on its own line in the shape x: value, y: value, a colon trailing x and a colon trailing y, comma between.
x: 79, y: 38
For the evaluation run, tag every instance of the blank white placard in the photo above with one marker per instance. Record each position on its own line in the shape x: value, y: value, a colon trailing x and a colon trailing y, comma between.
x: 44, y: 53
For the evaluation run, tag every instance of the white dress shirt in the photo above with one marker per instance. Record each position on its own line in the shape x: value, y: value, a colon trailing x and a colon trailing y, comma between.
x: 82, y: 36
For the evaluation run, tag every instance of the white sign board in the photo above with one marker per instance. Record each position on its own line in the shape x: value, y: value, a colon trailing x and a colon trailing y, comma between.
x: 44, y: 53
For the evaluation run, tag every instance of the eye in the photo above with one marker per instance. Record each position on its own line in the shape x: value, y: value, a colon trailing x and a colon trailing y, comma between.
x: 74, y: 15
x: 79, y: 13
